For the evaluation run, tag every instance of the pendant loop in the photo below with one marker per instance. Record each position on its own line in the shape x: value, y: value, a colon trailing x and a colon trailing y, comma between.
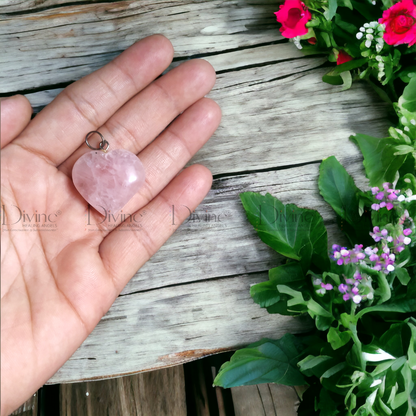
x: 104, y: 145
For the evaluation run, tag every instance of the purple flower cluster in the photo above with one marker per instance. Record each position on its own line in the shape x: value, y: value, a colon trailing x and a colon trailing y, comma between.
x: 351, y: 289
x: 344, y: 256
x: 385, y: 197
x: 356, y: 289
x: 380, y: 258
x: 390, y: 241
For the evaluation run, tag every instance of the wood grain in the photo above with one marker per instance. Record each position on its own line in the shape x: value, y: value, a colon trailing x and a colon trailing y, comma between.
x: 217, y: 240
x: 28, y: 408
x: 265, y: 400
x: 170, y: 326
x: 160, y: 393
x: 63, y: 44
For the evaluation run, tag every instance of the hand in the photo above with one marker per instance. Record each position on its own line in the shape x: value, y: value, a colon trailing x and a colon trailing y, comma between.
x: 57, y: 284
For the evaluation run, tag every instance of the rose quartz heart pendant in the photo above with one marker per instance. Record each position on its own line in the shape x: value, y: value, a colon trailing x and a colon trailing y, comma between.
x: 107, y: 181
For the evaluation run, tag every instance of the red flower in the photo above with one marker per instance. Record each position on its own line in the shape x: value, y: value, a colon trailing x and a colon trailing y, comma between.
x: 400, y: 21
x: 312, y: 41
x: 343, y: 57
x: 293, y: 15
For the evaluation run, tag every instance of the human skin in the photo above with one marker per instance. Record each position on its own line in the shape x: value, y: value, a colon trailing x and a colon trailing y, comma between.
x: 56, y: 286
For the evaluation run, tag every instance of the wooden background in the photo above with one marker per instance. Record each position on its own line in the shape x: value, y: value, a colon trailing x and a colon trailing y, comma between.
x: 279, y: 120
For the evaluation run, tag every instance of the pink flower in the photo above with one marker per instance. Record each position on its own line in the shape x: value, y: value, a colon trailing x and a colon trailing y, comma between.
x: 343, y: 57
x: 400, y: 21
x: 293, y: 15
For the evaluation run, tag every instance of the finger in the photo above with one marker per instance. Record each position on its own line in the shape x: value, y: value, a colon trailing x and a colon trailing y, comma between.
x: 127, y: 248
x: 138, y: 122
x: 59, y: 129
x: 15, y: 116
x: 169, y: 153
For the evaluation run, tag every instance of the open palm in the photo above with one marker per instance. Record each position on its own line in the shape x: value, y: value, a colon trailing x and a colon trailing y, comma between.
x: 62, y: 270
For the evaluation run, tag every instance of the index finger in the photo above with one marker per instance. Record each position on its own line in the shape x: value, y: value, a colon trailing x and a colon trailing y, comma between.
x: 59, y: 129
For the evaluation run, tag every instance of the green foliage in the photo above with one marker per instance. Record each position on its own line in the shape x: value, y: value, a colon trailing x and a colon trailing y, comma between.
x: 338, y: 189
x: 294, y: 232
x: 360, y: 358
x: 266, y: 361
x: 380, y: 163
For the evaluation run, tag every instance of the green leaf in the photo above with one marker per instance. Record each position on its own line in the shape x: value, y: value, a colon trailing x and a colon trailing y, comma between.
x: 403, y: 149
x: 408, y: 73
x: 408, y: 100
x: 346, y: 79
x: 338, y: 339
x: 332, y: 9
x: 338, y: 189
x: 402, y: 275
x: 316, y: 366
x: 349, y: 66
x: 297, y: 233
x: 267, y: 361
x: 333, y: 79
x: 345, y: 3
x: 266, y: 293
x: 379, y: 161
x: 401, y: 306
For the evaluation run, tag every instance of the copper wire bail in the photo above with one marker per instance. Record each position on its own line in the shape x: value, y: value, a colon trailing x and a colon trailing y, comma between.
x: 104, y: 145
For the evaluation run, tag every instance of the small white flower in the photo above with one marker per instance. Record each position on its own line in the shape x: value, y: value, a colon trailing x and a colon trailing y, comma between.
x: 390, y: 267
x: 362, y: 29
x: 366, y: 24
x: 413, y: 122
x: 370, y: 296
x: 406, y: 128
x: 369, y: 37
x: 368, y: 43
x: 401, y: 198
x: 357, y: 299
x: 379, y: 58
x: 360, y: 35
x: 379, y: 47
x: 370, y: 30
x: 296, y: 41
x: 407, y: 240
x: 374, y: 2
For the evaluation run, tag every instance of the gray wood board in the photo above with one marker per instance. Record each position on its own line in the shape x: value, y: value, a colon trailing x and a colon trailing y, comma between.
x: 217, y: 240
x: 169, y: 326
x: 62, y: 44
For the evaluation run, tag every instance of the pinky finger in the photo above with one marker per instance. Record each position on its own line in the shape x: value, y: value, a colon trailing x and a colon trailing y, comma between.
x: 132, y: 243
x: 15, y: 116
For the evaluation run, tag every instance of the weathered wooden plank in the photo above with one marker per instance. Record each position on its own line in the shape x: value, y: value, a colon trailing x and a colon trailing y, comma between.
x: 28, y: 408
x: 265, y: 400
x: 15, y: 6
x: 217, y: 239
x: 64, y: 44
x: 223, y: 62
x: 173, y: 325
x: 279, y: 108
x: 160, y: 393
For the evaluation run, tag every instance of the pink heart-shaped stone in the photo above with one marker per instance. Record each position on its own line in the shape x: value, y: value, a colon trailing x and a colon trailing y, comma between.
x: 107, y: 181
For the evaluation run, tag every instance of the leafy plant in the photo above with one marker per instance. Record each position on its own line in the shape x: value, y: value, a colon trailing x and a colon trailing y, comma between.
x: 360, y: 359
